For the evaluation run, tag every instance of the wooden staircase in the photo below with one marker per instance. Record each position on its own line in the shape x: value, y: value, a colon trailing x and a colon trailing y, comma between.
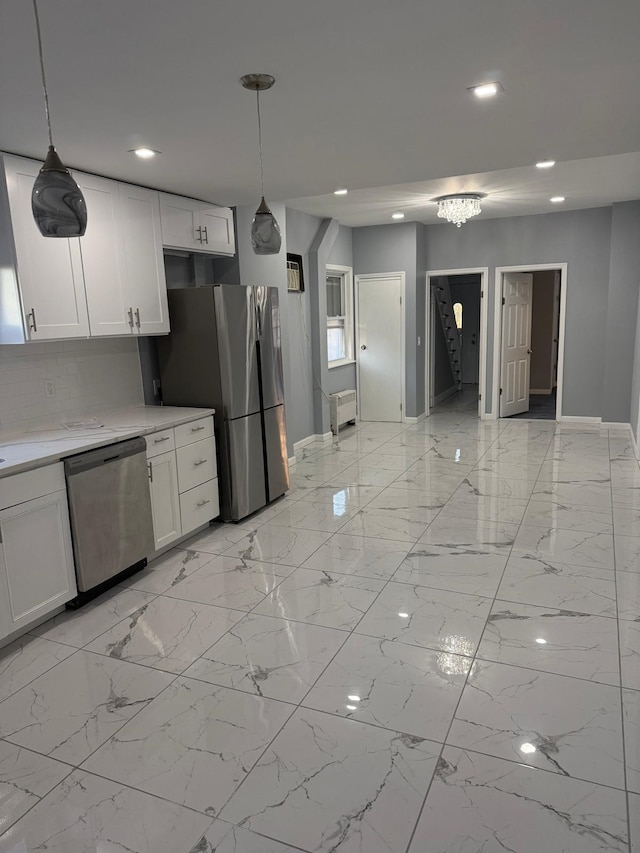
x: 451, y: 333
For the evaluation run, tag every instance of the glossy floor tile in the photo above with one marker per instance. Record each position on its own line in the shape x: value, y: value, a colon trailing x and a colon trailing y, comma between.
x: 193, y: 745
x: 478, y: 803
x: 327, y: 784
x: 431, y: 644
x: 87, y: 814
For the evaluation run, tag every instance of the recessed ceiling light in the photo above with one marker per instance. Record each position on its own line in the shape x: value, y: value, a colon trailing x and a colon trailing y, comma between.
x: 541, y: 641
x: 545, y: 164
x: 351, y: 708
x: 486, y: 90
x: 403, y: 615
x: 341, y: 191
x: 144, y: 153
x: 397, y: 215
x: 527, y: 748
x: 353, y: 698
x: 556, y: 199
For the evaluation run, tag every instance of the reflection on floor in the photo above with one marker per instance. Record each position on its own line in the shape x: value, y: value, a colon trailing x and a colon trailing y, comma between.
x: 541, y: 407
x: 432, y: 644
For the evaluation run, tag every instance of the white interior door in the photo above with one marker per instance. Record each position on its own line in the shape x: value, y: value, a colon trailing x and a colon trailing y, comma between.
x: 380, y: 348
x: 517, y: 293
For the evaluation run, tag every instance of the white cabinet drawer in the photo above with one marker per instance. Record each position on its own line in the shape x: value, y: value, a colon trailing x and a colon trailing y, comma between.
x: 18, y: 488
x: 194, y: 431
x: 199, y: 505
x: 160, y: 442
x: 196, y: 464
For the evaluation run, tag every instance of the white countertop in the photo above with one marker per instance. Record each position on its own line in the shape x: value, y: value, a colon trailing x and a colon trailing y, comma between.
x: 22, y: 451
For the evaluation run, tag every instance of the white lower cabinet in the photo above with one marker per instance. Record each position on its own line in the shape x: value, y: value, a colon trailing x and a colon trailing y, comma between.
x: 183, y: 479
x: 36, y: 559
x: 165, y: 499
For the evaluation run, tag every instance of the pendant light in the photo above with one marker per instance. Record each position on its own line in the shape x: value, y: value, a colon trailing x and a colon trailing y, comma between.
x: 57, y: 203
x: 266, y: 238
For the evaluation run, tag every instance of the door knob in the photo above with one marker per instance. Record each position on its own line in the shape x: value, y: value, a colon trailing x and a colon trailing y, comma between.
x: 363, y: 346
x: 529, y: 352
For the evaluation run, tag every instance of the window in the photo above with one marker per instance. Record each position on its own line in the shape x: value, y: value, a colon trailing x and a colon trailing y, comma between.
x: 457, y: 313
x: 339, y: 284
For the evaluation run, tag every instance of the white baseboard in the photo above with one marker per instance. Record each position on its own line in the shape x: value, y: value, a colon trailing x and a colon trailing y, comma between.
x: 540, y: 390
x: 299, y: 445
x: 443, y: 396
x: 578, y: 419
x: 634, y: 444
x: 409, y: 420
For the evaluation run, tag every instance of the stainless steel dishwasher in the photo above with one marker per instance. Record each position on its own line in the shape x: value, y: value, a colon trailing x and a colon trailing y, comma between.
x: 110, y: 511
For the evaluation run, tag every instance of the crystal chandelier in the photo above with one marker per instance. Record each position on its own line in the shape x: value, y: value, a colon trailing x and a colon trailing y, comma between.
x: 459, y: 207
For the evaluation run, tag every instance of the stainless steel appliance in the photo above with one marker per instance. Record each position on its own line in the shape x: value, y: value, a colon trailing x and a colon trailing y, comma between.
x: 224, y: 352
x: 110, y: 511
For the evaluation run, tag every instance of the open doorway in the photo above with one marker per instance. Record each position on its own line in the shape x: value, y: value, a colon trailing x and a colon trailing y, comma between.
x: 530, y: 314
x: 455, y: 353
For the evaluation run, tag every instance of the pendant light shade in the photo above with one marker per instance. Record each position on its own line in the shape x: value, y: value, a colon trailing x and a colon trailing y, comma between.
x: 266, y: 237
x: 57, y: 204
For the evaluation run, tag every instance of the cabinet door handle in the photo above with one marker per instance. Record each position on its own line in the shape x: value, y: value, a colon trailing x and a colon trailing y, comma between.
x: 130, y: 313
x: 202, y: 503
x: 137, y: 312
x: 33, y: 325
x: 206, y: 234
x: 196, y: 429
x: 150, y: 467
x: 160, y: 440
x: 200, y: 462
x: 199, y: 234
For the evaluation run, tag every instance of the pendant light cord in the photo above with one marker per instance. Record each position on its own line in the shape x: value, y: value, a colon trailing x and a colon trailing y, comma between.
x: 44, y: 82
x: 259, y: 139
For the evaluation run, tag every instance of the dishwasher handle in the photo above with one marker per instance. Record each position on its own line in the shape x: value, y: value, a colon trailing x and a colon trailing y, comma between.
x: 103, y: 455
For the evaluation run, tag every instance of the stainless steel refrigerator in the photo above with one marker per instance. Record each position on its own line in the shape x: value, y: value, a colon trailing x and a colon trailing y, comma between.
x: 224, y: 352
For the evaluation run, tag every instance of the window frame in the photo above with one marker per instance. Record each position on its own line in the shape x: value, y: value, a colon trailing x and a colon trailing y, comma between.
x: 346, y: 274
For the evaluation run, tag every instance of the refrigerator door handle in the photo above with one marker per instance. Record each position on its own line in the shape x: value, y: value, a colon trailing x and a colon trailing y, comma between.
x: 258, y: 321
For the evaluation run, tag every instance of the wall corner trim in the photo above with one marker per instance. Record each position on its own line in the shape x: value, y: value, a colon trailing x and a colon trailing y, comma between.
x: 411, y: 420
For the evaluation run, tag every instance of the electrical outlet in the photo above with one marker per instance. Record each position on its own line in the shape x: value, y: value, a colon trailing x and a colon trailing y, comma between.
x: 49, y: 388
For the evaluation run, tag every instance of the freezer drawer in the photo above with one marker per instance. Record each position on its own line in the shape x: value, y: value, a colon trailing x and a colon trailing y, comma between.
x: 275, y: 434
x: 245, y: 467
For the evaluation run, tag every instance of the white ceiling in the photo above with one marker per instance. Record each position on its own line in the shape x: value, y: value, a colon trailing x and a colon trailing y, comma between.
x: 369, y: 93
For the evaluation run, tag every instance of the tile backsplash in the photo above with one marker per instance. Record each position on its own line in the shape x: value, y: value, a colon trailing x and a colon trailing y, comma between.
x: 47, y: 383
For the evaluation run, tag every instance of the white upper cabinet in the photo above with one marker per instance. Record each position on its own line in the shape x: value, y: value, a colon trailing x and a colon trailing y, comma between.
x: 140, y: 216
x: 122, y: 259
x: 196, y: 226
x: 103, y: 258
x: 49, y: 270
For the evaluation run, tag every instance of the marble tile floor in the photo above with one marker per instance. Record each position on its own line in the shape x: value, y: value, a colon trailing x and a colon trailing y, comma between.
x: 430, y: 645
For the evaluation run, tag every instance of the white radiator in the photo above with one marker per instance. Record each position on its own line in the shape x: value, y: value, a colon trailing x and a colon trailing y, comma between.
x: 342, y: 408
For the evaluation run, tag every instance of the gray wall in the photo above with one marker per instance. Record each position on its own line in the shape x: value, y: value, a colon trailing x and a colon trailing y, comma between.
x: 580, y: 238
x: 301, y: 229
x: 620, y: 335
x: 396, y: 248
